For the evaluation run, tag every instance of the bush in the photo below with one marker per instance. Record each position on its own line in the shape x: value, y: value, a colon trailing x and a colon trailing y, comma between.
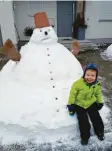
x: 28, y: 31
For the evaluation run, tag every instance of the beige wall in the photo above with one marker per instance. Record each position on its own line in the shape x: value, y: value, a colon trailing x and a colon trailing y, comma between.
x: 96, y: 10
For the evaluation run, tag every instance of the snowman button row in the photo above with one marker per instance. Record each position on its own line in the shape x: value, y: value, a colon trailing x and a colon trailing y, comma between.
x: 48, y: 54
x: 51, y: 71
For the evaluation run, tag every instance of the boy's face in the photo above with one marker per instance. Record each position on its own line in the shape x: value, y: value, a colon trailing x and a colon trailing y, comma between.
x: 90, y: 76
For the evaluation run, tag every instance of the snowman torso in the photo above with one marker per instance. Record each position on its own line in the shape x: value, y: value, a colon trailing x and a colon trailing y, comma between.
x: 48, y: 64
x: 39, y: 85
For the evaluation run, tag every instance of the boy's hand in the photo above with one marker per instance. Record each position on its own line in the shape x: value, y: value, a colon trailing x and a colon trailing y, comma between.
x: 71, y: 113
x: 99, y: 106
x: 71, y: 109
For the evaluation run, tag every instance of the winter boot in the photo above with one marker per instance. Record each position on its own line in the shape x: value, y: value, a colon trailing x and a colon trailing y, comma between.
x: 101, y: 136
x: 84, y: 142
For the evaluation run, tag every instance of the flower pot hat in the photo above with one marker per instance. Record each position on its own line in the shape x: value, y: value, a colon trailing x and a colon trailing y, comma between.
x: 41, y: 20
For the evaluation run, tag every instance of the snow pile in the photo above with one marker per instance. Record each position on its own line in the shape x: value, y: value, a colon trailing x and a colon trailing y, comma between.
x: 107, y: 54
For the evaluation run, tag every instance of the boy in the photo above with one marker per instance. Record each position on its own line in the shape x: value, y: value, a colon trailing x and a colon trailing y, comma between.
x: 85, y: 99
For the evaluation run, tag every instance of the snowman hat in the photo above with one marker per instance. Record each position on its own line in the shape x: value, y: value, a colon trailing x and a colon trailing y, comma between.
x: 41, y: 20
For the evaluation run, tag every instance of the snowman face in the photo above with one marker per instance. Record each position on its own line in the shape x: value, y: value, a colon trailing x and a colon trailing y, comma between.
x: 44, y: 35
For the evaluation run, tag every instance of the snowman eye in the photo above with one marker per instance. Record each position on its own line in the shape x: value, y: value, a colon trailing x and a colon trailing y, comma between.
x: 40, y: 30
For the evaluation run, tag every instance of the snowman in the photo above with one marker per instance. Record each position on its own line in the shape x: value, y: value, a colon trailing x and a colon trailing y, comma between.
x: 35, y: 90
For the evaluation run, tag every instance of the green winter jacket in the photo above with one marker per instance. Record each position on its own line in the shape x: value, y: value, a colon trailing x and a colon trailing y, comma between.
x: 84, y: 95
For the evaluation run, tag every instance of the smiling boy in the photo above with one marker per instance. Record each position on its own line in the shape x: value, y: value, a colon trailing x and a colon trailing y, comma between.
x: 85, y: 99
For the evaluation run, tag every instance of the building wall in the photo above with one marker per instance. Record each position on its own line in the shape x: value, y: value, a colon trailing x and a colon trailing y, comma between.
x: 1, y: 43
x: 24, y: 10
x: 7, y: 21
x: 95, y: 11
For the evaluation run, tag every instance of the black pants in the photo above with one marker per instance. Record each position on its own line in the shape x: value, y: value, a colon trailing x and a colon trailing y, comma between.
x: 83, y: 120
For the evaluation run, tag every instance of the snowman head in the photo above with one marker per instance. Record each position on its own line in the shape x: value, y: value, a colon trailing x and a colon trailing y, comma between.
x: 43, y: 33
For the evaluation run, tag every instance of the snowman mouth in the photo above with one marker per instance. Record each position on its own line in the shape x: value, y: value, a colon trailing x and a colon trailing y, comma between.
x: 45, y: 38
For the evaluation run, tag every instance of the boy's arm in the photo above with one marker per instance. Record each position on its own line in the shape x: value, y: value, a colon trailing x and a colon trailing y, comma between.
x: 99, y: 94
x: 72, y: 95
